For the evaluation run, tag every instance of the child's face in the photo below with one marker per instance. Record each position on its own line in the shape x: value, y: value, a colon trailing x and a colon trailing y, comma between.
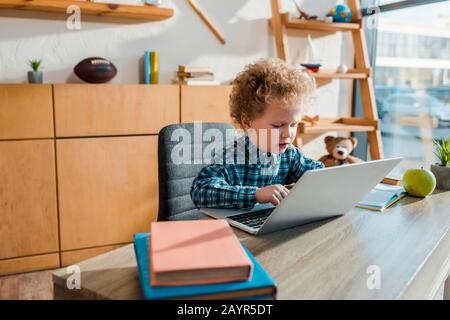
x: 280, y: 123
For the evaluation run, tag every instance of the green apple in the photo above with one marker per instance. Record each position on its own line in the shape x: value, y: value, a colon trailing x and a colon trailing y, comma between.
x: 419, y: 182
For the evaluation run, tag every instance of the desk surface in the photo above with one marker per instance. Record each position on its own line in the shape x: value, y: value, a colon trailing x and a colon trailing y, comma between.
x: 408, y: 246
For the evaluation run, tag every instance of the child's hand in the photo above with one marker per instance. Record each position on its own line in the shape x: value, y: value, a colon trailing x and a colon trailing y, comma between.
x: 274, y: 194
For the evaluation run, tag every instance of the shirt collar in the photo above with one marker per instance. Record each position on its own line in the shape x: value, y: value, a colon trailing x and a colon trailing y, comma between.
x: 255, y: 152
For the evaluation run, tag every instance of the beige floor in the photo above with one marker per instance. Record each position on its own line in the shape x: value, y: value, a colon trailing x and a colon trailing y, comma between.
x: 27, y: 286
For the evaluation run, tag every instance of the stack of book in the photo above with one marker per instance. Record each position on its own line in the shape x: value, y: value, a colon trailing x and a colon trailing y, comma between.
x: 195, y: 75
x: 198, y: 260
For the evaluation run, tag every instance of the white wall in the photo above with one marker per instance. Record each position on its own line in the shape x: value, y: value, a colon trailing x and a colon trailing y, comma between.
x: 182, y: 39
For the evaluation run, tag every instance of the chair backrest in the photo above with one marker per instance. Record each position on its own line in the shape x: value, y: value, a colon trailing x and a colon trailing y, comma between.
x: 175, y: 179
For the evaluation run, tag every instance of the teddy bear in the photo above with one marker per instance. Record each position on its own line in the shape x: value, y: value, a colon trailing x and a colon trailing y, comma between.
x: 339, y: 150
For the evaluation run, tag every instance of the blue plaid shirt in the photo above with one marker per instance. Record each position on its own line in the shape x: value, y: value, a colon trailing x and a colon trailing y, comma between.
x: 232, y: 178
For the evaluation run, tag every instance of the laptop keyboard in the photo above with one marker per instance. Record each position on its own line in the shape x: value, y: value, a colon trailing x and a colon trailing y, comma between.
x: 253, y: 219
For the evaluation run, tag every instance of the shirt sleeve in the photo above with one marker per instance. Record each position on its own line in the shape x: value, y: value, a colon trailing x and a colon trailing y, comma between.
x: 211, y: 189
x: 300, y: 164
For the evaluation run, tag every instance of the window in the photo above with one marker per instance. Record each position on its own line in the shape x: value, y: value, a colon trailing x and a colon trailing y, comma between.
x: 412, y: 79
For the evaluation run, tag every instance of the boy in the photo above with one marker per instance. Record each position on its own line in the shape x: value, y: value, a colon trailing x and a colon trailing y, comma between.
x: 267, y: 101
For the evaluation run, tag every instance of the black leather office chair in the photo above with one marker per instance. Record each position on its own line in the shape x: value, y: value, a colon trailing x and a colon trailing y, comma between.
x: 175, y: 180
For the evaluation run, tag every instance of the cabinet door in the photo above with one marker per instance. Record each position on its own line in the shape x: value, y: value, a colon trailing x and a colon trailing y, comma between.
x: 28, y: 214
x: 205, y: 103
x: 108, y: 189
x: 107, y: 109
x: 26, y: 111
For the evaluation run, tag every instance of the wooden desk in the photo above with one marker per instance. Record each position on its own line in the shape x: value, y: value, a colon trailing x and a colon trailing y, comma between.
x: 410, y: 243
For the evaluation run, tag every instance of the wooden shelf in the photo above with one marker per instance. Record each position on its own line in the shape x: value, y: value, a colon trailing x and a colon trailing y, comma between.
x: 339, y: 124
x: 350, y: 74
x: 317, y: 25
x: 90, y: 8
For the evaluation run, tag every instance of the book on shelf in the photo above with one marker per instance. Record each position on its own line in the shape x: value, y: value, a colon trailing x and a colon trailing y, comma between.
x: 191, y: 82
x: 194, y: 74
x: 382, y: 197
x: 196, y: 252
x: 259, y: 286
x: 203, y: 77
x: 151, y: 68
x: 154, y: 67
x: 147, y: 67
x: 194, y: 69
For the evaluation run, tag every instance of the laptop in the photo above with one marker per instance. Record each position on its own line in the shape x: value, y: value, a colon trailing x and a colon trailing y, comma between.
x: 318, y: 194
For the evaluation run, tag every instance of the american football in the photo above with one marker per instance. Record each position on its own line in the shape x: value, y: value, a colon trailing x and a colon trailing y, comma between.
x: 95, y: 70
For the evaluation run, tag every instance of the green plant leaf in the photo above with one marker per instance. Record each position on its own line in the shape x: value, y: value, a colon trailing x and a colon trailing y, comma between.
x: 35, y: 64
x: 442, y: 150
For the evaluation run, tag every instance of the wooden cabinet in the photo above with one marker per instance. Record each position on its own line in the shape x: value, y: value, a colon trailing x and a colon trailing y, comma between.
x: 28, y: 207
x: 205, y: 103
x: 26, y: 111
x: 100, y: 185
x: 108, y: 189
x: 102, y: 110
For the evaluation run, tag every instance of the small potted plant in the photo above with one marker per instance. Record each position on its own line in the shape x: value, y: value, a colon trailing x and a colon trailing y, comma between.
x: 442, y: 170
x: 36, y: 75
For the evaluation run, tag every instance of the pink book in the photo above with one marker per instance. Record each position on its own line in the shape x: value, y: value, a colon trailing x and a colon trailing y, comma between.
x: 196, y: 252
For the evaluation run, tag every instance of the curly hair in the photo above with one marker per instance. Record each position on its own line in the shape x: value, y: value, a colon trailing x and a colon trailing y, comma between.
x: 265, y: 82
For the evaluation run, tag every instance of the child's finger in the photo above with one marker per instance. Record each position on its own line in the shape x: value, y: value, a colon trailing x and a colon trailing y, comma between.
x: 284, y: 193
x: 274, y: 200
x: 278, y: 195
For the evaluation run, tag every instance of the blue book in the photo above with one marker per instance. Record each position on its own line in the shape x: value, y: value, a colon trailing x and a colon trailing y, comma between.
x: 382, y: 197
x: 147, y: 67
x: 260, y: 286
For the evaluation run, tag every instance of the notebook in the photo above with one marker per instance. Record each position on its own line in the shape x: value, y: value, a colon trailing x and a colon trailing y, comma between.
x: 260, y: 286
x: 381, y: 197
x: 196, y: 252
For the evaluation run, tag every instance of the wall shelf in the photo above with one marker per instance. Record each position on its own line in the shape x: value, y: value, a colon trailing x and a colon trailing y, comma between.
x: 315, y: 25
x: 350, y: 74
x: 149, y: 13
x: 339, y: 124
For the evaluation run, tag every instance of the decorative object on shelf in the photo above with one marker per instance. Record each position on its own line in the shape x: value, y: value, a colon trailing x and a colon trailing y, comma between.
x: 207, y: 21
x: 95, y: 70
x: 303, y: 14
x: 340, y: 13
x: 328, y: 20
x: 114, y: 3
x: 35, y: 76
x: 342, y: 68
x: 147, y: 67
x: 151, y: 68
x: 313, y: 67
x: 154, y: 67
x: 339, y: 151
x: 153, y: 2
x: 419, y: 182
x: 308, y: 59
x: 195, y: 75
x: 442, y: 170
x: 312, y: 9
x: 312, y: 120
